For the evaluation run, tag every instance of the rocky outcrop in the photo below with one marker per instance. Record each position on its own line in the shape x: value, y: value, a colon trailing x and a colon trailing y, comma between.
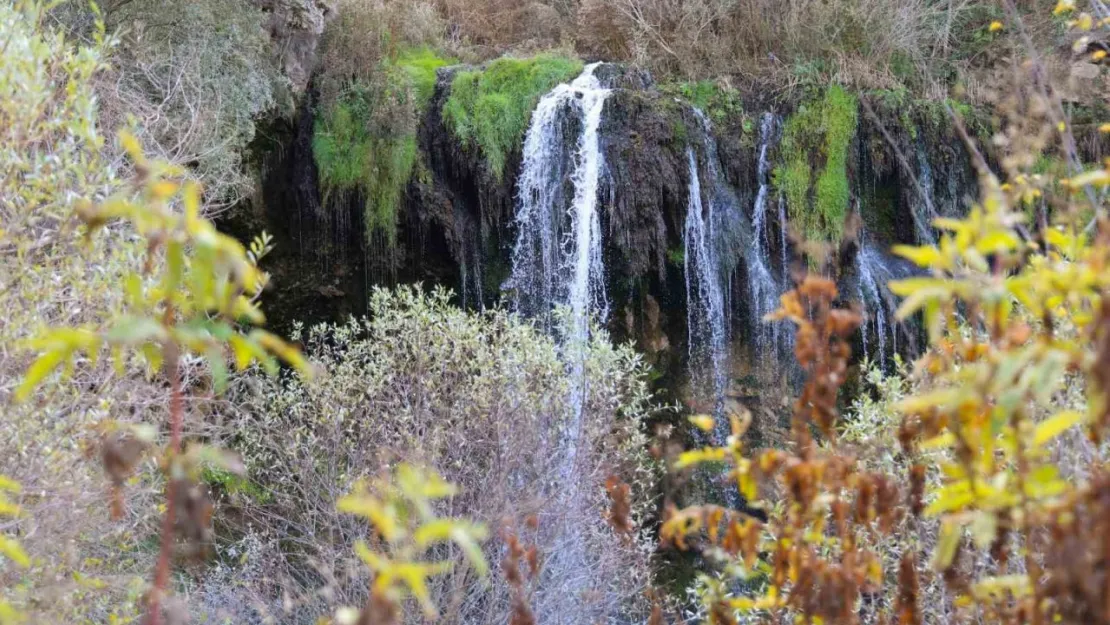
x: 456, y: 222
x: 295, y: 28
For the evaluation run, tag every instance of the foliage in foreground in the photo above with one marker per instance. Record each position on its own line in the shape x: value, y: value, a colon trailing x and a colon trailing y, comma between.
x: 482, y: 400
x: 987, y: 481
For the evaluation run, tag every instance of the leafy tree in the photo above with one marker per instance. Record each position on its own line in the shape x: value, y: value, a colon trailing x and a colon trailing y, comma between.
x: 191, y: 299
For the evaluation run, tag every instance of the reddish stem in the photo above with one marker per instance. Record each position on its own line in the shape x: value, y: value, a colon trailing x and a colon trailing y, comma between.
x: 162, y: 569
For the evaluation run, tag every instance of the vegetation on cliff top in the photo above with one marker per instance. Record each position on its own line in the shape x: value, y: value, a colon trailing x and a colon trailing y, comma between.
x: 489, y: 107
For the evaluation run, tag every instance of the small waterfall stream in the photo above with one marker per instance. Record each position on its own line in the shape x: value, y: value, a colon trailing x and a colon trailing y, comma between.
x: 705, y: 299
x: 717, y: 235
x: 924, y: 208
x: 557, y: 266
x: 764, y: 289
x: 874, y: 270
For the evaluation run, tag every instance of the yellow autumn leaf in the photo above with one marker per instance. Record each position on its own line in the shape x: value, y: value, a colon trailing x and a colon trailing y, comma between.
x: 699, y: 456
x: 1098, y: 178
x: 382, y: 516
x: 922, y: 256
x: 12, y: 551
x: 703, y: 422
x: 947, y: 543
x: 942, y: 441
x: 995, y: 26
x: 1056, y: 425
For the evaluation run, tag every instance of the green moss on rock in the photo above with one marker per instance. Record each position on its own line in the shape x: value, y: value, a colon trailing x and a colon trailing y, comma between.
x: 365, y: 141
x: 721, y: 103
x: 490, y: 107
x: 814, y: 173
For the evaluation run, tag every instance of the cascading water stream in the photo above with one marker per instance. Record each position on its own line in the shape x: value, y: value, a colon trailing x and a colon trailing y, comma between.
x: 557, y: 257
x: 713, y: 239
x: 705, y: 301
x: 557, y: 266
x: 764, y: 289
x: 924, y: 209
x: 874, y: 271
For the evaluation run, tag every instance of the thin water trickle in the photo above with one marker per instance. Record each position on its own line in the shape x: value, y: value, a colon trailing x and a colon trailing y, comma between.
x: 924, y: 208
x: 875, y: 270
x: 764, y: 288
x: 705, y: 301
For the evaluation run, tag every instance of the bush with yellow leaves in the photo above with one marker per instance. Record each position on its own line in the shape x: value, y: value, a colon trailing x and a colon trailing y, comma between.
x: 983, y: 474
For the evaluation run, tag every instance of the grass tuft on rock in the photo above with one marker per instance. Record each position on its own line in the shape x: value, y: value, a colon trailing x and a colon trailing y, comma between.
x: 490, y: 107
x: 365, y: 141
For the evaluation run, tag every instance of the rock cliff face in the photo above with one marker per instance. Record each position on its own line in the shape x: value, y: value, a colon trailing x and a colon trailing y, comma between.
x: 662, y: 158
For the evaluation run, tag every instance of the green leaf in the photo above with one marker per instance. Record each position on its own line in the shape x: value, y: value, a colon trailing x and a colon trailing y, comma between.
x: 1056, y: 425
x: 42, y: 367
x: 136, y: 330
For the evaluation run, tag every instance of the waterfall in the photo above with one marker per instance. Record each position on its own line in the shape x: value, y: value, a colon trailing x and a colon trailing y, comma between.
x: 713, y: 238
x: 717, y: 234
x: 924, y: 208
x: 764, y: 289
x: 556, y: 260
x: 705, y: 300
x: 557, y: 278
x: 470, y: 242
x: 874, y: 271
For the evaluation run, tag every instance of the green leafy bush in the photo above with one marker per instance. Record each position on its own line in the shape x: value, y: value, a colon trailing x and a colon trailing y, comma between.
x: 489, y: 108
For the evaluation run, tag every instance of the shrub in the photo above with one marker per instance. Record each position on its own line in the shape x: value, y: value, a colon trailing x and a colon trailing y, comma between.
x: 489, y: 108
x: 52, y: 158
x: 464, y: 394
x: 863, y: 43
x: 195, y: 76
